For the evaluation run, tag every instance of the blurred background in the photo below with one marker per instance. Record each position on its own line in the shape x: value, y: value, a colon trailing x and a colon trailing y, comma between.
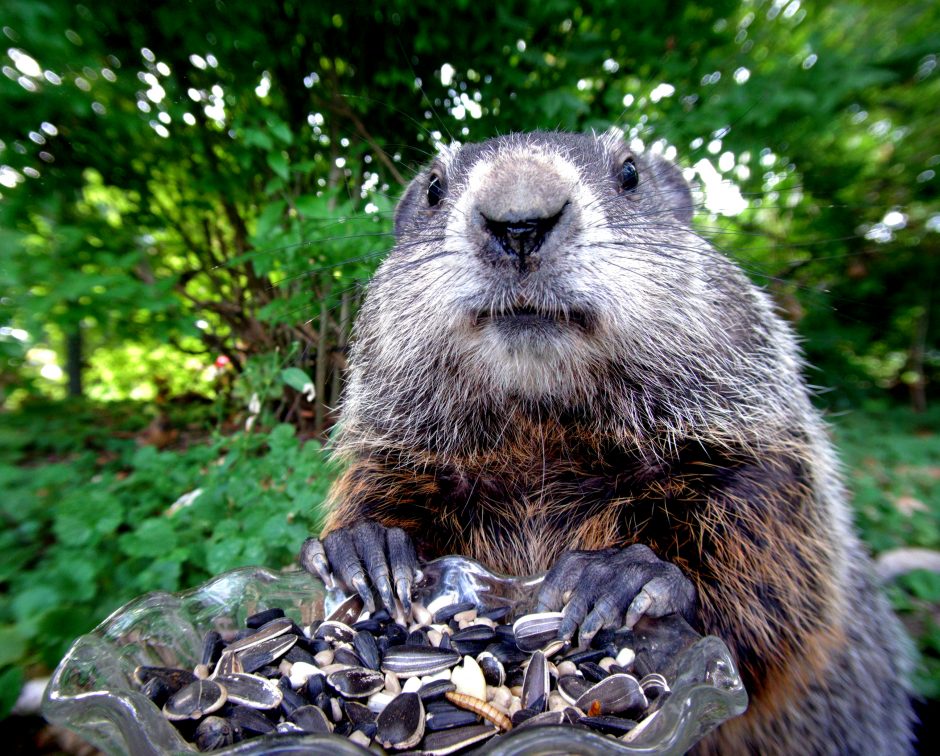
x: 193, y: 195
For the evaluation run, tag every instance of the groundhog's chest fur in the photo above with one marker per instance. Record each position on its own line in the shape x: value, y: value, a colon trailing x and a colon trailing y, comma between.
x: 547, y: 488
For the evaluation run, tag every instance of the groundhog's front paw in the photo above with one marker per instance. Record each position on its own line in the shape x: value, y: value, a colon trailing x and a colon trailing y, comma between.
x: 597, y: 588
x: 362, y: 557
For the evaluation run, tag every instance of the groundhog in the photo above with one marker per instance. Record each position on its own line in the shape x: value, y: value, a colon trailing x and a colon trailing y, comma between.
x: 553, y: 371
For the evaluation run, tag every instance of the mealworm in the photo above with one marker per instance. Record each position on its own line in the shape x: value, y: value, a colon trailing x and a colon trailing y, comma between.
x: 480, y: 708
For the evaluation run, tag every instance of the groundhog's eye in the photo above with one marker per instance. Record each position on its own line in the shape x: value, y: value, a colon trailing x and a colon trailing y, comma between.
x: 629, y: 176
x: 435, y: 190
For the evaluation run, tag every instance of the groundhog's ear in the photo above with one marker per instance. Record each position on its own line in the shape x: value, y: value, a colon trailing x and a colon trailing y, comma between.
x: 670, y: 187
x: 409, y: 203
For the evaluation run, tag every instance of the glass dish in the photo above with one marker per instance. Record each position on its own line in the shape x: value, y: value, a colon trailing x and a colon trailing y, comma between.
x: 93, y: 693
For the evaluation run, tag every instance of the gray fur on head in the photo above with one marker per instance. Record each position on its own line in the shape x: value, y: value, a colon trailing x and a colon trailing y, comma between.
x: 656, y: 334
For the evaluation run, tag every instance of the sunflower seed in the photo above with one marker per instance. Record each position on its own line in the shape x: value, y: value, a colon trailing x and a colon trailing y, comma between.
x: 335, y: 632
x: 411, y: 661
x: 348, y: 611
x: 535, y: 631
x: 356, y: 682
x: 195, y: 700
x: 616, y: 694
x: 213, y: 733
x: 445, y: 742
x: 311, y: 719
x: 401, y: 723
x: 263, y: 653
x: 535, y: 685
x: 251, y: 690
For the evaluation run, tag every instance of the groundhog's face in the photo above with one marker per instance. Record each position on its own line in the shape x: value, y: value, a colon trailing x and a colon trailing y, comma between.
x: 558, y: 266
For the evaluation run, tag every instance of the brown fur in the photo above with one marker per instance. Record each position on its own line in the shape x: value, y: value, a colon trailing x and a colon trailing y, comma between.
x: 756, y: 546
x: 709, y: 453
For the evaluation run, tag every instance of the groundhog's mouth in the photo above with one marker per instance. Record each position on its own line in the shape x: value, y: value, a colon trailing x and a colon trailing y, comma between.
x: 527, y: 318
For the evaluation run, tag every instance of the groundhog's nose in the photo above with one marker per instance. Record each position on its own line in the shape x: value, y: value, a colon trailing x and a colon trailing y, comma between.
x: 518, y: 207
x: 519, y: 240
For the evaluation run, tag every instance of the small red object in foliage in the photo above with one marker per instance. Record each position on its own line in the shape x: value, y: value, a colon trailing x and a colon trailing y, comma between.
x: 222, y: 361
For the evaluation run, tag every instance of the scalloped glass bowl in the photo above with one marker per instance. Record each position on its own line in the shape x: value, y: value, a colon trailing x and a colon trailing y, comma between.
x: 92, y: 691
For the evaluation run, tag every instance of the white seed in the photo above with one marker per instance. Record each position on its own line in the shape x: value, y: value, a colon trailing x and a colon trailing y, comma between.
x: 500, y: 697
x: 323, y: 658
x: 445, y: 599
x: 333, y: 668
x: 435, y: 637
x: 300, y: 672
x: 420, y: 613
x: 467, y: 616
x: 625, y: 657
x: 485, y: 621
x: 469, y: 678
x: 391, y: 683
x: 378, y: 701
x: 201, y: 671
x: 606, y: 663
x: 444, y: 674
x: 360, y: 738
x: 514, y: 705
x: 567, y: 668
x: 556, y: 702
x: 412, y: 685
x: 554, y: 647
x: 500, y: 707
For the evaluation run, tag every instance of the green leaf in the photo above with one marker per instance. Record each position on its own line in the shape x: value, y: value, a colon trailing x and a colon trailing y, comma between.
x: 74, y: 529
x: 224, y: 555
x: 268, y: 220
x: 296, y: 378
x: 34, y: 601
x: 11, y: 683
x: 12, y: 645
x: 277, y: 161
x: 152, y: 538
x: 924, y: 584
x: 258, y: 138
x: 310, y: 205
x: 281, y: 130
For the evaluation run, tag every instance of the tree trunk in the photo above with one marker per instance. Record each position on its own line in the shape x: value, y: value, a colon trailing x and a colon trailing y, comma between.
x: 339, y: 354
x: 74, y: 361
x: 918, y: 388
x: 319, y: 421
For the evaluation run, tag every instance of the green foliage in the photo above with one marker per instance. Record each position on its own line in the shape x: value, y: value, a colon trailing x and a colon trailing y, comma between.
x: 90, y: 519
x: 236, y: 166
x: 892, y: 459
x: 916, y: 597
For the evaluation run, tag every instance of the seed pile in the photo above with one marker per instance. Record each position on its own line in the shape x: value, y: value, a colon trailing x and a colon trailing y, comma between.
x: 451, y: 678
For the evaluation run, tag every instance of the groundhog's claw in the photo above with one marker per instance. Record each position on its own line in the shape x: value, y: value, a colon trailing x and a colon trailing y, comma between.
x: 313, y: 560
x: 597, y: 588
x: 362, y: 557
